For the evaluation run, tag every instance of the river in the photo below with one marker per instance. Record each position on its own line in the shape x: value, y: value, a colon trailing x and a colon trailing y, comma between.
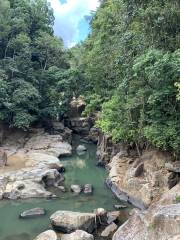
x: 79, y: 170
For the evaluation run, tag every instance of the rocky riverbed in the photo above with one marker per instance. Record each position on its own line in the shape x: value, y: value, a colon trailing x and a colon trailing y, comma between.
x: 151, y: 183
x: 35, y: 170
x: 32, y: 164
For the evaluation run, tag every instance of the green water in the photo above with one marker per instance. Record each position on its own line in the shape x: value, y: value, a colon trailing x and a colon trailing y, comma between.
x: 79, y: 170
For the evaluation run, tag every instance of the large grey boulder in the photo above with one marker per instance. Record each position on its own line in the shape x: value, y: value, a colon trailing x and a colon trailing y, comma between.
x: 67, y: 221
x: 78, y: 235
x: 162, y: 224
x: 173, y: 166
x: 34, y: 212
x: 48, y: 235
x: 49, y: 144
x: 29, y: 183
x: 81, y: 148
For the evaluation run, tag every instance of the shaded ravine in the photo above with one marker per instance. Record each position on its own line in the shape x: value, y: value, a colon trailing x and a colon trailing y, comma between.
x: 79, y: 170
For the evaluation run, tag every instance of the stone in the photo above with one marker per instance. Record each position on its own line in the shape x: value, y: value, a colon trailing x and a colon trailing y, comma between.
x: 161, y: 221
x: 143, y: 181
x: 112, y: 216
x: 88, y: 189
x: 80, y: 125
x: 49, y: 144
x: 77, y: 235
x: 100, y: 212
x: 94, y: 135
x: 77, y: 106
x: 31, y: 213
x: 48, y: 235
x: 30, y: 183
x: 109, y: 230
x: 61, y: 188
x: 67, y: 221
x: 173, y: 166
x: 101, y: 215
x: 31, y: 190
x: 32, y: 164
x: 120, y: 206
x: 76, y: 189
x: 81, y: 148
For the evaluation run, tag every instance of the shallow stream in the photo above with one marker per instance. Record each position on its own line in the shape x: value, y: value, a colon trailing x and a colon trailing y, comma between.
x: 79, y: 170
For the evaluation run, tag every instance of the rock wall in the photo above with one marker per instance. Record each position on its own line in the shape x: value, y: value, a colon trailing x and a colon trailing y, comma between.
x: 160, y: 222
x: 107, y: 149
x: 141, y: 181
x: 32, y: 163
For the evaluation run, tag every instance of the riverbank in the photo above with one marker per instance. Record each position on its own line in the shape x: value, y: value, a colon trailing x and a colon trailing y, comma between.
x: 79, y: 169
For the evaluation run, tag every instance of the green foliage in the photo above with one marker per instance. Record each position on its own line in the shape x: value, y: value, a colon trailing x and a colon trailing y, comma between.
x: 131, y: 66
x: 178, y: 198
x: 33, y: 64
x: 94, y: 103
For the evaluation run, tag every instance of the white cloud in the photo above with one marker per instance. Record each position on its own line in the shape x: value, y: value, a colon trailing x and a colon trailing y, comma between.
x: 68, y: 16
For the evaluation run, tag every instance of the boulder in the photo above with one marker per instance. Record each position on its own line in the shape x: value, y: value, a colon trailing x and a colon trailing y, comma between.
x: 112, y: 216
x: 88, y: 189
x: 162, y: 223
x: 77, y: 106
x: 76, y: 189
x: 81, y: 148
x: 78, y: 235
x: 29, y: 183
x: 48, y: 235
x: 80, y: 125
x: 25, y: 189
x: 173, y: 166
x: 109, y: 230
x: 93, y: 135
x: 100, y: 212
x: 101, y: 215
x: 31, y: 213
x: 67, y: 221
x: 140, y: 181
x: 48, y: 144
x: 41, y: 160
x: 120, y: 206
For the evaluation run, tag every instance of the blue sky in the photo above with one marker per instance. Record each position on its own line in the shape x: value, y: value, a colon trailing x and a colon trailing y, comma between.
x: 70, y: 23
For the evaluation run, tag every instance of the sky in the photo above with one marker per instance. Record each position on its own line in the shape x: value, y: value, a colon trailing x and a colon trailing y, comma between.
x: 70, y: 22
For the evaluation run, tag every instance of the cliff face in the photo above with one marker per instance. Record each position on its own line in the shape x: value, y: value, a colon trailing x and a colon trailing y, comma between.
x: 141, y: 181
x: 150, y: 183
x: 161, y: 221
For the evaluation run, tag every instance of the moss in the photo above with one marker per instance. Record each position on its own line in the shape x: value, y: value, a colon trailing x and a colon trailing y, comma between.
x: 178, y: 198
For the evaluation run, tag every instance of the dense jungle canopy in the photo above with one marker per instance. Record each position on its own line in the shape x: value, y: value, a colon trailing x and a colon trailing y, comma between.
x: 128, y: 69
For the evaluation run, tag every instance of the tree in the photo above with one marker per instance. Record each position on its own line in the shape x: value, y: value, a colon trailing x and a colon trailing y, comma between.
x: 29, y: 54
x: 130, y: 62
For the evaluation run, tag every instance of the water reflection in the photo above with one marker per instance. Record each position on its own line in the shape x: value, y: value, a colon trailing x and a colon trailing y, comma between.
x: 23, y: 236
